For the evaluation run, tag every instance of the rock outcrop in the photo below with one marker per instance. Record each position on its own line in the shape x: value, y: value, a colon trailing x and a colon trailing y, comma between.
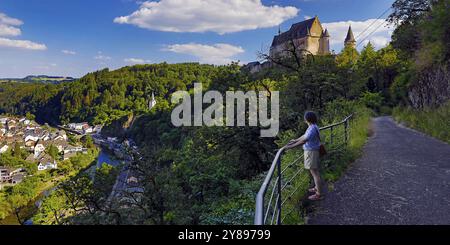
x: 432, y: 88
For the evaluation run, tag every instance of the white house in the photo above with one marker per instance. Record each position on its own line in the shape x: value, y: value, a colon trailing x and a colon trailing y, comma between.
x: 88, y: 130
x: 38, y: 149
x: 45, y: 136
x: 46, y: 166
x: 71, y: 148
x: 47, y: 162
x: 78, y: 126
x: 24, y: 121
x: 60, y: 135
x: 3, y: 149
x: 31, y: 137
x: 3, y: 120
x: 31, y: 127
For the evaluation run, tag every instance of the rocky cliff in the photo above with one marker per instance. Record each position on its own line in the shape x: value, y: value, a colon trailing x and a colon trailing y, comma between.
x: 118, y: 128
x: 432, y: 87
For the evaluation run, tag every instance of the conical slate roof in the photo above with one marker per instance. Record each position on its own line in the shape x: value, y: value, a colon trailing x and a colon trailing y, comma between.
x: 350, y: 37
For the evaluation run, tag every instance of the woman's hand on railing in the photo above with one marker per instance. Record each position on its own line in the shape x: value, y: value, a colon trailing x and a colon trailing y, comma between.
x: 292, y: 144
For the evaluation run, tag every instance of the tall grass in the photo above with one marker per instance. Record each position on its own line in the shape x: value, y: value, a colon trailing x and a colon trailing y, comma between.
x: 434, y: 122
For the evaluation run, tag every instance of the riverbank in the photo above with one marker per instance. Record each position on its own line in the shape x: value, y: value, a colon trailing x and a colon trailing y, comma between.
x: 29, y: 207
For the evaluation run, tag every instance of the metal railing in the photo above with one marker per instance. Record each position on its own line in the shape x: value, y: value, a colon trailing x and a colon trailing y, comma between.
x: 281, y: 202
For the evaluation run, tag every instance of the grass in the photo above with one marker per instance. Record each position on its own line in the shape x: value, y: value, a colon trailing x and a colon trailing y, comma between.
x: 434, y: 122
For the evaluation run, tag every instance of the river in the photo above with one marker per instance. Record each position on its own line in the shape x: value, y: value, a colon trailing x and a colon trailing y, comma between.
x: 104, y: 157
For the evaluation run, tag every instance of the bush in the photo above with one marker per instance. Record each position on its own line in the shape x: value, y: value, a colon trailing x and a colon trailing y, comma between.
x: 399, y: 88
x: 372, y: 100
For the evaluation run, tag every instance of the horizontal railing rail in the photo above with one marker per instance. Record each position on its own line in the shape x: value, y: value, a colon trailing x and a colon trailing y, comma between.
x: 282, y: 179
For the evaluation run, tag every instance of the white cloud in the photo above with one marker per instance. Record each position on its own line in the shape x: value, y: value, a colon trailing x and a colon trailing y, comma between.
x: 68, y: 52
x: 102, y: 57
x: 6, y: 20
x: 22, y: 44
x: 136, y: 61
x: 6, y: 30
x: 221, y: 16
x: 380, y: 37
x: 217, y: 54
x: 307, y: 17
x: 9, y: 27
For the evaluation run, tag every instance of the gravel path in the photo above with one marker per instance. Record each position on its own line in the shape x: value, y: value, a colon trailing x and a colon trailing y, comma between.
x: 403, y: 177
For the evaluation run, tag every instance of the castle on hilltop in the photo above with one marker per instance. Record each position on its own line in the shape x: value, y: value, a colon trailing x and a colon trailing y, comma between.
x: 307, y: 37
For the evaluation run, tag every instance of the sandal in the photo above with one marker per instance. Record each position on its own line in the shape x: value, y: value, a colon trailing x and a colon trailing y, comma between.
x: 313, y: 190
x: 315, y: 197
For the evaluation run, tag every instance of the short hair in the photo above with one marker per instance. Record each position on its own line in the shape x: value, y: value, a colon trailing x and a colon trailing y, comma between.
x: 311, y: 117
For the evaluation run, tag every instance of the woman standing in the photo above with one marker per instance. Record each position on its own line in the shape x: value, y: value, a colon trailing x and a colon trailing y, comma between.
x: 311, y: 146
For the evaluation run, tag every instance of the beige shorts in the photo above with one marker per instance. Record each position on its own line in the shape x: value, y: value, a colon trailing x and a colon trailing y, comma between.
x: 312, y: 159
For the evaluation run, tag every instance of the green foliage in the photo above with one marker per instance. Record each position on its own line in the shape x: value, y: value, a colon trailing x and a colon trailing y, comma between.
x: 430, y: 121
x: 407, y: 11
x: 88, y: 142
x: 52, y: 210
x: 102, y: 97
x: 348, y: 57
x: 52, y: 151
x: 372, y: 100
x: 41, y: 100
x: 105, y: 177
x: 210, y: 175
x: 30, y: 116
x: 399, y: 89
x: 13, y: 158
x: 200, y: 175
x: 423, y: 36
x: 18, y: 199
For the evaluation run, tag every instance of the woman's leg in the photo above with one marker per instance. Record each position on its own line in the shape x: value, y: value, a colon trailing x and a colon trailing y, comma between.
x: 317, y: 181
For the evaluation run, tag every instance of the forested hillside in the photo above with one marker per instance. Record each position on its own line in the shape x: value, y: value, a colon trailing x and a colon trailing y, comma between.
x: 210, y: 175
x: 422, y: 89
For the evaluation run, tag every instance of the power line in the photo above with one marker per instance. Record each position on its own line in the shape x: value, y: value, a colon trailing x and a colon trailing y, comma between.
x: 382, y: 23
x: 373, y: 22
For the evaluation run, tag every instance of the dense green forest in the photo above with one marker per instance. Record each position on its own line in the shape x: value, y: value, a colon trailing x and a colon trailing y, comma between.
x: 210, y: 175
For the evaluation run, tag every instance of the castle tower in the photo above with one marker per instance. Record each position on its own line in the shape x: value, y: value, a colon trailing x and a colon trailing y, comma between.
x: 350, y: 39
x: 325, y: 43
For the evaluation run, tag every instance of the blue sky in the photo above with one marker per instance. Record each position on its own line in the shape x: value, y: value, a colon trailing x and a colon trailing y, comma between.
x: 71, y: 38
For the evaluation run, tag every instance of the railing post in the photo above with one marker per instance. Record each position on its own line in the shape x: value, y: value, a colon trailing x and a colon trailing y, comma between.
x: 279, y: 192
x: 331, y: 136
x: 346, y: 131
